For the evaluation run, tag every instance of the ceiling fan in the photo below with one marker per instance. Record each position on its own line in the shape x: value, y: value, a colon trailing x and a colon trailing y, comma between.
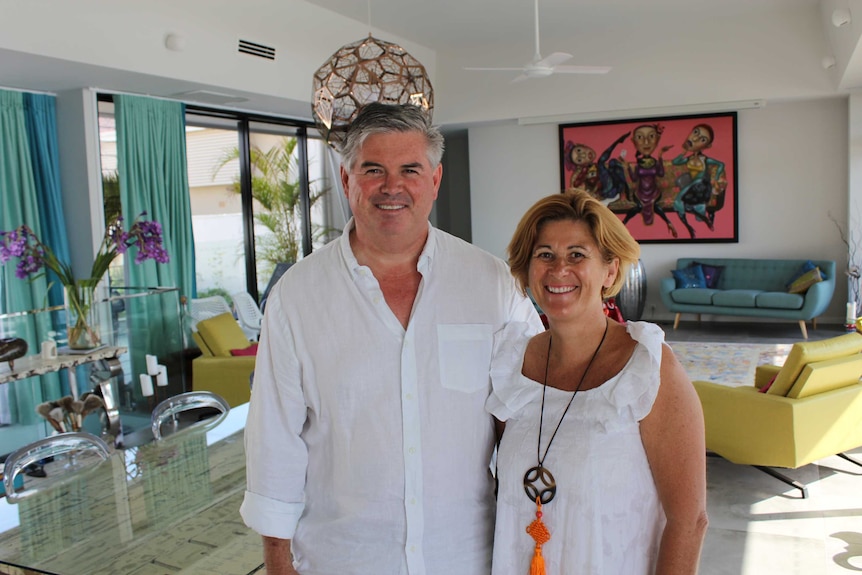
x: 540, y: 67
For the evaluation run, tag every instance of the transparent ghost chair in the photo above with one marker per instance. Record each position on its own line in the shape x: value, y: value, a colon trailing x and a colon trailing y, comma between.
x: 199, y: 409
x: 81, y: 450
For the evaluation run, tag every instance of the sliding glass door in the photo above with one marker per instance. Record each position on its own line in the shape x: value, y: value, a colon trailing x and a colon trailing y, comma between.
x: 263, y: 192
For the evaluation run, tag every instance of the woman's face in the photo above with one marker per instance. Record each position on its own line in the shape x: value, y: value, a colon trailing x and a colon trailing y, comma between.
x: 567, y: 272
x: 645, y: 139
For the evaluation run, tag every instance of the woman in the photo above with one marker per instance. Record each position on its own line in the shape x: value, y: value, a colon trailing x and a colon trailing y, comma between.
x: 602, y: 425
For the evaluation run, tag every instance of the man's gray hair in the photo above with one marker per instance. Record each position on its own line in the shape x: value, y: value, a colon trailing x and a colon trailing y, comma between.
x: 379, y: 118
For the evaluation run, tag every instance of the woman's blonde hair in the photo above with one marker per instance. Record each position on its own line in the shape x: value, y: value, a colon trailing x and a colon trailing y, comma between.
x: 610, y: 234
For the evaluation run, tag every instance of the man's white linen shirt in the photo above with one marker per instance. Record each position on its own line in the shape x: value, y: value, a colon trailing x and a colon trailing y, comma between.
x: 367, y: 437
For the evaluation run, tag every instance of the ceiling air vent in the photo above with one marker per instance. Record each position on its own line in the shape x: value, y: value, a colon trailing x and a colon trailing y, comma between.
x: 255, y: 49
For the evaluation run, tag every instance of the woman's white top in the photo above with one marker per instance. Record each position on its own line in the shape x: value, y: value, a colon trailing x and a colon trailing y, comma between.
x: 606, y: 516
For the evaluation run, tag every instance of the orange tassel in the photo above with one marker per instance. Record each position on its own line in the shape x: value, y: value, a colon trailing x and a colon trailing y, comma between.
x: 541, y: 535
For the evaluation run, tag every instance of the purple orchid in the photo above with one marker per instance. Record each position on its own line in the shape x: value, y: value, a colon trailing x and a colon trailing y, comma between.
x: 33, y: 255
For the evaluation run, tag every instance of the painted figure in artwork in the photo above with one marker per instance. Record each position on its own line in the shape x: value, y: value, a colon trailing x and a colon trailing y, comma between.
x: 605, y: 178
x: 702, y: 179
x: 645, y: 174
x: 580, y: 159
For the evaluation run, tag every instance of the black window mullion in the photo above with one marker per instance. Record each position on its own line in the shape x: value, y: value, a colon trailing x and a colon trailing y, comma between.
x: 247, y: 207
x: 304, y: 200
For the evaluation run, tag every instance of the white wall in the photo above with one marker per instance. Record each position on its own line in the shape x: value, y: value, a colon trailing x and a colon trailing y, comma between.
x: 793, y: 172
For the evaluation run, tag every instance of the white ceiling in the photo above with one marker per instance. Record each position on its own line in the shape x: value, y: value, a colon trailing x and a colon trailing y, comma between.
x: 464, y: 25
x: 663, y: 52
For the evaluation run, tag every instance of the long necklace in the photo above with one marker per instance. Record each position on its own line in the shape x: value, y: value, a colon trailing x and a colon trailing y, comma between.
x: 544, y: 493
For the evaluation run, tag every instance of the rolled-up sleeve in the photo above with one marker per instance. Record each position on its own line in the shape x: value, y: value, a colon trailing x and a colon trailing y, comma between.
x: 276, y: 455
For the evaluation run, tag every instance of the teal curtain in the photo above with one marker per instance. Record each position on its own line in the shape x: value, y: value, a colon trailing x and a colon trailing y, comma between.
x: 151, y: 157
x: 41, y: 118
x: 19, y: 204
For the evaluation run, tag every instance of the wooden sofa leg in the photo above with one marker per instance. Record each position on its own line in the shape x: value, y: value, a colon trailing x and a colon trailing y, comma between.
x: 676, y: 321
x: 785, y: 479
x: 804, y: 329
x: 814, y: 323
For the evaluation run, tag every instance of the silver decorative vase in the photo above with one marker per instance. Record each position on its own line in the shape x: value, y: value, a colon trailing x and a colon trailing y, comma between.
x: 632, y: 297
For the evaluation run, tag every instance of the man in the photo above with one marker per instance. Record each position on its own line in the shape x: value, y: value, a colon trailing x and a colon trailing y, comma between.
x: 367, y: 441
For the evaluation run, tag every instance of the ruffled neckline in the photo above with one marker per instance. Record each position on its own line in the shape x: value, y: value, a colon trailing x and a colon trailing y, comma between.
x: 634, y: 386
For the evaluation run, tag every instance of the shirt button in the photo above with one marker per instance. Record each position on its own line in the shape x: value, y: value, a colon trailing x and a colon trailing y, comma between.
x: 409, y: 396
x: 376, y: 300
x: 413, y: 549
x: 413, y: 501
x: 412, y: 450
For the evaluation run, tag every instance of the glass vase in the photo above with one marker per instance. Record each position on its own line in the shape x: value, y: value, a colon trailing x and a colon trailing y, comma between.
x: 82, y: 315
x: 632, y: 296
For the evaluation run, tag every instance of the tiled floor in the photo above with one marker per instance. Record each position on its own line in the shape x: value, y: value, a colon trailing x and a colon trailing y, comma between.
x: 757, y: 524
x: 762, y: 332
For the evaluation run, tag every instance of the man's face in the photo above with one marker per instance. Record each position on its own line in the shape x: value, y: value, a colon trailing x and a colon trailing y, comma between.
x: 699, y: 139
x: 392, y: 186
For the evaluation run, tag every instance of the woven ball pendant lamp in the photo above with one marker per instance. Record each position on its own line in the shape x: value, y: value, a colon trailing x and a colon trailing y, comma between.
x: 370, y: 70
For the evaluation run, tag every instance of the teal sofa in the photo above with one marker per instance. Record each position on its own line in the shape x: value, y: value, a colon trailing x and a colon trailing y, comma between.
x: 752, y: 288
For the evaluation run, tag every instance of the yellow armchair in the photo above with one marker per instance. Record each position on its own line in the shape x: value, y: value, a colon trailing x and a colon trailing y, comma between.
x: 811, y: 410
x: 217, y: 369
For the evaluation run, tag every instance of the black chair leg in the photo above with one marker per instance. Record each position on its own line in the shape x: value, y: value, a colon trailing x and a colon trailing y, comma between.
x: 848, y: 458
x: 785, y: 479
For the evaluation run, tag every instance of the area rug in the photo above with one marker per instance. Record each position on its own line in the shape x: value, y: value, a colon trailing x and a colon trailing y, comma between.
x: 730, y: 364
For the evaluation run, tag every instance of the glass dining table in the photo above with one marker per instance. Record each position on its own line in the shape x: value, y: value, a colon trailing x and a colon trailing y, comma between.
x: 168, y: 506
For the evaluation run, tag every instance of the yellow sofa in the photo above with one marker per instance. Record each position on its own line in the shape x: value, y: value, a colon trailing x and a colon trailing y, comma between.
x: 811, y: 410
x: 216, y: 369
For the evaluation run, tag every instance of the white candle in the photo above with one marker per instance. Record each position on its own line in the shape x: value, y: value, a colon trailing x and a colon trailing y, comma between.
x: 851, y: 313
x: 152, y: 365
x: 49, y: 349
x: 162, y: 377
x: 146, y: 385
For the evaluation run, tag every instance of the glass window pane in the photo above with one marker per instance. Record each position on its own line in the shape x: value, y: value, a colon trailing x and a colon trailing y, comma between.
x: 329, y: 208
x: 214, y: 191
x: 278, y: 208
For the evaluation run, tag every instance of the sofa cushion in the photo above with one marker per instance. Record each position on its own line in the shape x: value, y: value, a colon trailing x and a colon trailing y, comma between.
x: 694, y: 296
x: 736, y: 298
x: 803, y: 353
x: 805, y: 281
x: 768, y: 384
x: 779, y: 300
x: 690, y: 277
x: 823, y: 376
x: 250, y: 350
x: 202, y: 345
x: 222, y: 333
x: 712, y: 273
x: 806, y: 267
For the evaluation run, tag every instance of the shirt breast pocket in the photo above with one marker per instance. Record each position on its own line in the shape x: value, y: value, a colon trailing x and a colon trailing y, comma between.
x: 464, y: 355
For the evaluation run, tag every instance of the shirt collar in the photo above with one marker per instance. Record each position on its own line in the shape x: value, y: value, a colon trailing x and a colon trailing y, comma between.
x: 426, y: 258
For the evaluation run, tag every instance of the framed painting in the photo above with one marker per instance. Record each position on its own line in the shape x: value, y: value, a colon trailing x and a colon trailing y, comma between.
x: 669, y: 179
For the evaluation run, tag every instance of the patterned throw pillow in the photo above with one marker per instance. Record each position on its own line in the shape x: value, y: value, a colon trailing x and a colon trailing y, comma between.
x: 805, y: 281
x: 710, y: 273
x: 690, y: 277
